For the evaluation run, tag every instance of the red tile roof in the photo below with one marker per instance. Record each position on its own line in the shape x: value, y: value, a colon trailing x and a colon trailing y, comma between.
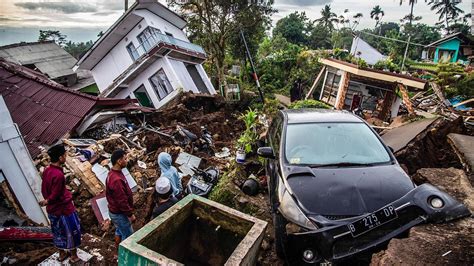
x: 44, y: 110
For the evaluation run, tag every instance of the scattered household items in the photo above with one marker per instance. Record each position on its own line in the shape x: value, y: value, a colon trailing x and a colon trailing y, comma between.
x: 355, y: 216
x: 251, y: 186
x: 187, y: 163
x: 224, y: 153
x: 187, y: 227
x: 240, y: 155
x: 53, y: 260
x: 202, y: 182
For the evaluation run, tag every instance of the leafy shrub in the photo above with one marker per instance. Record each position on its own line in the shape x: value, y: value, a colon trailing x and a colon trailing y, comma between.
x: 309, y: 104
x: 387, y: 64
x: 249, y: 137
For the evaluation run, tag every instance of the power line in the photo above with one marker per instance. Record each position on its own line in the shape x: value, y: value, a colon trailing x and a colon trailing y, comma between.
x: 392, y: 39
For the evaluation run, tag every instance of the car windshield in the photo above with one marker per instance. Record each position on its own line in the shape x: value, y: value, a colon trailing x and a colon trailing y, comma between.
x: 343, y: 144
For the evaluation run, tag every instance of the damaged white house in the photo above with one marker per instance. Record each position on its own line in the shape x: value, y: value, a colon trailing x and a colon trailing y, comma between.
x: 146, y: 55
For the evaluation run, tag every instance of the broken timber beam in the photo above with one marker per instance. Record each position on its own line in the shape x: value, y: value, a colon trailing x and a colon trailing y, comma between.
x: 10, y: 197
x: 316, y: 82
x: 406, y: 99
x: 84, y: 172
x: 439, y: 92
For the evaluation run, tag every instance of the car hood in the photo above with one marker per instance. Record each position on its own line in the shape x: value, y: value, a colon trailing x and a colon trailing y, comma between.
x: 347, y: 191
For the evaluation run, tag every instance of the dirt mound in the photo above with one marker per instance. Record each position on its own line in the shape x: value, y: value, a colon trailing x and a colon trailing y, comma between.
x: 434, y: 244
x: 431, y: 149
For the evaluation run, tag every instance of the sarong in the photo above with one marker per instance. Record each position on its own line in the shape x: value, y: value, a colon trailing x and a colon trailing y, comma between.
x: 66, y: 231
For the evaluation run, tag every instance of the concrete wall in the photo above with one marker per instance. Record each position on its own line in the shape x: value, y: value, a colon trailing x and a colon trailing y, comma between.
x: 117, y: 60
x: 452, y: 45
x: 161, y: 24
x: 143, y: 78
x: 18, y: 168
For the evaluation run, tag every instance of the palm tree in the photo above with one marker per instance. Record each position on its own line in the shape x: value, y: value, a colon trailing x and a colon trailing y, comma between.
x: 412, y: 4
x: 447, y: 9
x: 377, y: 14
x: 328, y: 18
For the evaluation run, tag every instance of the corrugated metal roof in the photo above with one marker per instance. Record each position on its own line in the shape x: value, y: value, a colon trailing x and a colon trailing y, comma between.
x: 48, y: 57
x: 44, y: 110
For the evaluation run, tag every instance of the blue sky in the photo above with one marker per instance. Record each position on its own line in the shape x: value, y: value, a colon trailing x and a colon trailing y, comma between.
x: 81, y: 20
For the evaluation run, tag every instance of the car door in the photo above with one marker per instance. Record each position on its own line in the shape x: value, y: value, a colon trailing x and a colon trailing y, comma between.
x: 273, y: 165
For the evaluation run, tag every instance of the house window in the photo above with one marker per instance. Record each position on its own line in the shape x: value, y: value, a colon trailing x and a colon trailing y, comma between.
x: 142, y: 96
x: 147, y: 38
x: 132, y: 51
x: 160, y: 83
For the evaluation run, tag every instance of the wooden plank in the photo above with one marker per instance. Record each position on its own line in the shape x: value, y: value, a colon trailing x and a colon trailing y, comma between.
x: 84, y: 172
x: 464, y: 102
x: 316, y: 82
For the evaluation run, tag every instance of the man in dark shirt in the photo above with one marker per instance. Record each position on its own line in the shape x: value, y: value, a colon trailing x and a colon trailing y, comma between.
x: 163, y: 196
x: 119, y: 197
x: 62, y: 214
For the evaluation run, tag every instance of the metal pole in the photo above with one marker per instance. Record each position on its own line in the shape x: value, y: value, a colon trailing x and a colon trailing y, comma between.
x: 406, y: 52
x: 254, y: 74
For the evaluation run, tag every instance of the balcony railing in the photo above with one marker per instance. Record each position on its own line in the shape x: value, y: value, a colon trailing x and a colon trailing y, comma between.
x: 157, y: 38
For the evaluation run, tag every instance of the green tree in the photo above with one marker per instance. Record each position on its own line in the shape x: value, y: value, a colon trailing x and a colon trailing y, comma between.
x: 320, y: 38
x: 294, y: 28
x: 410, y: 16
x: 77, y: 49
x: 214, y: 24
x: 328, y: 18
x: 446, y: 9
x: 377, y: 14
x: 52, y: 35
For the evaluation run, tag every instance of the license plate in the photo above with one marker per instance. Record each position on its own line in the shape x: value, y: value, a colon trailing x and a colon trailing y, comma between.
x: 372, y: 221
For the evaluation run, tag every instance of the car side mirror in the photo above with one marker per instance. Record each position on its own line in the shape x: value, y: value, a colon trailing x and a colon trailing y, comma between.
x: 391, y: 149
x: 266, y: 152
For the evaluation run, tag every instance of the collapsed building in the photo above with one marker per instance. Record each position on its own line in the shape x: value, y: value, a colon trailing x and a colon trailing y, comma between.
x: 378, y: 93
x: 37, y: 113
x: 146, y: 55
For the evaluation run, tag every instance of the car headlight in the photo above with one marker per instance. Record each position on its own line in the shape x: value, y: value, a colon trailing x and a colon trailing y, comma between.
x: 291, y: 211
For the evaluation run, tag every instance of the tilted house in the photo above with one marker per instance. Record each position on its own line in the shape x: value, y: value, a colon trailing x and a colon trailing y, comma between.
x: 146, y: 55
x: 380, y: 93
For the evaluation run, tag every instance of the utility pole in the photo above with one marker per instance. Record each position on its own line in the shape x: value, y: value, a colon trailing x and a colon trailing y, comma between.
x: 254, y: 71
x: 126, y: 5
x: 406, y: 52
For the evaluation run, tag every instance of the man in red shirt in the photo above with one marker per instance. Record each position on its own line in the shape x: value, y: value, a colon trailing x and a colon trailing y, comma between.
x: 119, y: 197
x: 62, y: 214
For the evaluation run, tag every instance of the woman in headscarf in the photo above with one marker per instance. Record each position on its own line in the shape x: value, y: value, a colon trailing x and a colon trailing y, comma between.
x: 170, y: 172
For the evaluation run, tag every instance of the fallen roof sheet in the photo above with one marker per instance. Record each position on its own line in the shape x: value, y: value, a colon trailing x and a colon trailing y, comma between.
x: 44, y: 110
x: 399, y: 137
x: 47, y: 57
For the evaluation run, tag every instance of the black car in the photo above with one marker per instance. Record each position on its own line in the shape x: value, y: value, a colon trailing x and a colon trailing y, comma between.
x: 337, y: 190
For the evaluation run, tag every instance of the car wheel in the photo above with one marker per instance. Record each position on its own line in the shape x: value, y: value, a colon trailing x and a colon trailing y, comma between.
x: 279, y: 224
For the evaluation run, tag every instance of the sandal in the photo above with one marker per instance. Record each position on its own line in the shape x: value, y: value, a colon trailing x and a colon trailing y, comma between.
x: 63, y: 256
x: 73, y: 260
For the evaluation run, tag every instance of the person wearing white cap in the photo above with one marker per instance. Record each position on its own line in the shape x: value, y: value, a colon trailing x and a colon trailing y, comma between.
x: 163, y: 196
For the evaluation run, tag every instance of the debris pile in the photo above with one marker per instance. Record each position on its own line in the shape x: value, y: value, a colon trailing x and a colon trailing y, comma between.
x: 143, y: 137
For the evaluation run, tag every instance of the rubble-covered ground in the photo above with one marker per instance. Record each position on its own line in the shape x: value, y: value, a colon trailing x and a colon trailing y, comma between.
x: 426, y: 244
x: 435, y: 244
